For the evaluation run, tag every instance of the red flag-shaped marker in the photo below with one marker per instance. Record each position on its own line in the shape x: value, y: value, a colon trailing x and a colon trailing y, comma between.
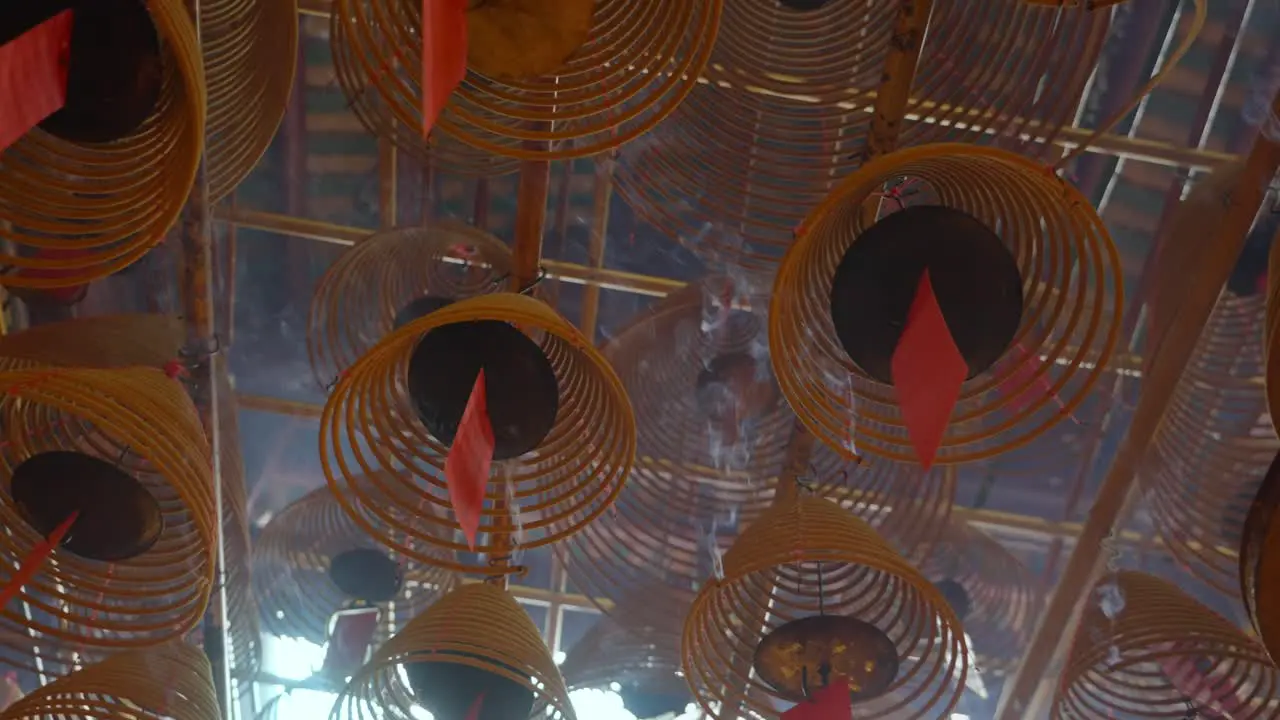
x: 467, y: 468
x: 830, y: 703
x: 927, y: 373
x: 33, y: 76
x: 35, y: 560
x: 444, y: 55
x: 474, y: 712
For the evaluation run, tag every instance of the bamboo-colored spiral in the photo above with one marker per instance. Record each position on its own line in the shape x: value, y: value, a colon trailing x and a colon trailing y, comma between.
x: 772, y: 575
x: 291, y: 559
x: 1270, y: 338
x: 647, y: 56
x: 103, y: 342
x: 168, y: 681
x: 479, y: 625
x: 1161, y: 654
x: 1072, y: 305
x: 94, y: 209
x: 145, y: 422
x: 801, y: 87
x: 1004, y: 597
x: 368, y: 426
x: 250, y: 53
x: 356, y: 301
x: 623, y: 651
x: 1213, y: 447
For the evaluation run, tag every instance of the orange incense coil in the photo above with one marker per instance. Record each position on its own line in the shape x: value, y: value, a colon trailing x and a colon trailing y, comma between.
x: 311, y: 561
x: 374, y: 423
x: 1270, y: 339
x: 103, y: 342
x: 125, y: 450
x: 802, y: 94
x: 250, y: 54
x: 79, y: 211
x: 880, y: 623
x: 1066, y: 330
x: 172, y: 680
x: 1213, y: 446
x: 475, y: 641
x: 996, y: 598
x: 648, y: 55
x: 361, y: 296
x: 1161, y: 654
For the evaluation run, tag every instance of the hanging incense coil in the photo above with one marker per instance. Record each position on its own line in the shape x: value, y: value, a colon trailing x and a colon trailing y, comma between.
x: 649, y: 57
x: 124, y: 449
x: 103, y: 342
x: 808, y: 562
x: 1069, y: 319
x: 545, y: 493
x: 358, y: 299
x: 312, y: 561
x: 1271, y: 341
x: 82, y: 211
x: 474, y: 641
x: 1153, y: 651
x: 1213, y: 446
x: 172, y: 680
x: 802, y: 87
x: 992, y: 593
x: 250, y: 54
x: 1258, y: 561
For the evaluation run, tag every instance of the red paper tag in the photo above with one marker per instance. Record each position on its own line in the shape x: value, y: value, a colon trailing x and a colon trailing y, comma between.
x: 35, y: 560
x: 830, y: 703
x: 444, y: 55
x: 928, y: 371
x: 467, y: 468
x: 1207, y: 692
x: 33, y: 76
x: 474, y: 712
x: 350, y: 636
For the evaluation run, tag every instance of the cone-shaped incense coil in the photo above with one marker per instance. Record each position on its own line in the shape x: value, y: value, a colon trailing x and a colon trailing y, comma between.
x: 567, y: 480
x: 357, y: 301
x: 474, y: 640
x: 649, y: 56
x: 126, y: 451
x: 1046, y: 226
x: 171, y: 681
x: 772, y: 576
x: 1146, y: 649
x: 294, y: 573
x: 996, y: 596
x: 95, y: 208
x: 792, y: 79
x: 111, y: 341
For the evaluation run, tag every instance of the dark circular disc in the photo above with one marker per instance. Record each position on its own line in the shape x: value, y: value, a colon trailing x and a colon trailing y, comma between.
x: 449, y: 689
x: 366, y: 574
x: 419, y: 308
x: 803, y: 5
x: 653, y: 700
x: 802, y: 652
x: 956, y: 596
x: 115, y: 73
x: 521, y: 387
x: 974, y: 277
x: 119, y: 519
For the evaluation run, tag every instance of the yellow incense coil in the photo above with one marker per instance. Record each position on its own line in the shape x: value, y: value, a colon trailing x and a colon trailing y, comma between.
x: 109, y: 341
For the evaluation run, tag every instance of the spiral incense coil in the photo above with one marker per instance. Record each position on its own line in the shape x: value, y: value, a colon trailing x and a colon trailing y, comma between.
x: 298, y: 589
x: 172, y: 680
x: 648, y: 55
x: 136, y: 423
x: 567, y: 481
x: 79, y: 212
x: 615, y: 649
x: 474, y: 641
x: 250, y: 54
x: 357, y: 300
x: 110, y: 341
x: 1209, y: 454
x: 1071, y: 305
x: 1271, y: 340
x: 802, y: 95
x: 1161, y: 654
x: 809, y: 558
x: 997, y: 598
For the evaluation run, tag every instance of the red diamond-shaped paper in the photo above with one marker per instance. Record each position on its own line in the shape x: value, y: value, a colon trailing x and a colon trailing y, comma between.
x: 444, y: 55
x: 830, y: 703
x: 466, y: 470
x: 33, y: 76
x: 927, y: 373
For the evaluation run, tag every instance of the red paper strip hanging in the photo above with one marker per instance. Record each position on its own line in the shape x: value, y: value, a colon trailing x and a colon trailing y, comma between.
x: 474, y: 712
x: 444, y: 55
x: 33, y: 76
x: 830, y: 703
x: 35, y: 560
x: 928, y: 371
x: 466, y: 470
